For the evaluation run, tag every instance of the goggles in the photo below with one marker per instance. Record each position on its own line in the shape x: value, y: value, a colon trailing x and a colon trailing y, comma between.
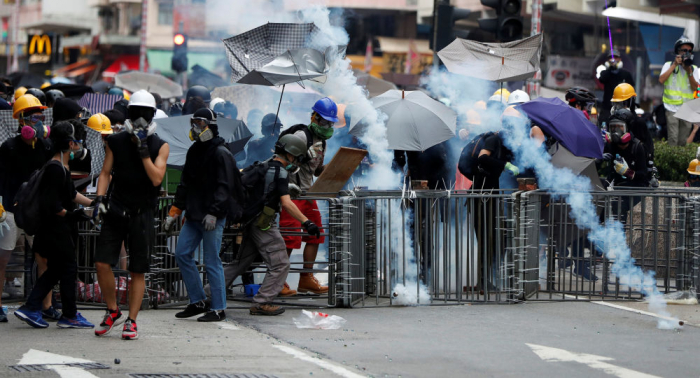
x: 136, y: 112
x: 324, y: 122
x: 199, y: 122
x: 34, y: 118
x: 618, y: 127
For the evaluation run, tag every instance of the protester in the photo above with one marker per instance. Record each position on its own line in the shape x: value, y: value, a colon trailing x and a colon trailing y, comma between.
x: 263, y: 148
x: 693, y: 174
x: 19, y: 92
x: 611, y: 77
x: 261, y: 234
x: 122, y: 106
x: 518, y: 97
x: 196, y: 92
x: 20, y: 156
x: 101, y: 123
x: 626, y: 151
x: 581, y: 99
x: 135, y: 164
x: 52, y: 95
x: 320, y: 129
x: 38, y: 93
x: 5, y: 97
x: 680, y: 79
x: 208, y: 180
x: 54, y: 240
x: 66, y: 109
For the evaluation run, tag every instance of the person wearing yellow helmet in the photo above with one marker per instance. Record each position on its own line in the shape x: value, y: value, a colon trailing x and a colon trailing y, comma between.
x: 19, y: 92
x: 504, y: 93
x: 693, y: 174
x: 100, y: 123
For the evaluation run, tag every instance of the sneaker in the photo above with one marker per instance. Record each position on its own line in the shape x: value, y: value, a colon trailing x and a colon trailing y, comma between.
x: 309, y: 284
x: 110, y: 320
x: 17, y: 282
x: 193, y: 309
x: 213, y: 316
x: 78, y: 322
x: 3, y: 316
x: 266, y: 309
x: 51, y: 314
x: 130, y: 331
x: 33, y: 318
x: 287, y: 291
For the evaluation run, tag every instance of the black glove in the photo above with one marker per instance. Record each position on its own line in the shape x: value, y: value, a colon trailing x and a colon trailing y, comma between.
x: 77, y: 215
x: 97, y: 201
x: 312, y: 228
x: 142, y: 143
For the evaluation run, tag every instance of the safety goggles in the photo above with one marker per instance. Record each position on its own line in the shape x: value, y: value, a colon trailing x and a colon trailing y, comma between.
x: 199, y: 122
x: 34, y: 118
x: 136, y: 112
x: 618, y: 128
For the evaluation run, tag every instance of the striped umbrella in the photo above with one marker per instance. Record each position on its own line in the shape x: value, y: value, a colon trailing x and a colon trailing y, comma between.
x: 98, y: 102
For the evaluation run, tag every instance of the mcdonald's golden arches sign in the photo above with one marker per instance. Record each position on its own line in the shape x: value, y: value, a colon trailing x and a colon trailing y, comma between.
x: 39, y: 48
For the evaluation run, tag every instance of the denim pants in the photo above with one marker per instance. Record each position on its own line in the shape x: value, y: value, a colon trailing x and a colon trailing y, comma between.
x: 191, y: 235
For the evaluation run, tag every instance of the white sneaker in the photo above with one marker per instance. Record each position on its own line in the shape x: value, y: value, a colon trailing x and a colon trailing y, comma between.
x: 17, y: 282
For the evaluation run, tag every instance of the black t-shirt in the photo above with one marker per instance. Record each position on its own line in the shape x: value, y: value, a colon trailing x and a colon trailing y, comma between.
x: 611, y: 80
x: 131, y: 186
x: 54, y: 237
x: 491, y: 166
x: 280, y: 187
x: 17, y: 162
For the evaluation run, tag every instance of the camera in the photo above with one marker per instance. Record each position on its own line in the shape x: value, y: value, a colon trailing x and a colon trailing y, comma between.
x: 687, y: 59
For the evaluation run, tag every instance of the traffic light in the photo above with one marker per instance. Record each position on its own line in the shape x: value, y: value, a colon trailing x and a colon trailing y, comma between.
x: 447, y: 15
x: 179, y: 61
x: 508, y: 24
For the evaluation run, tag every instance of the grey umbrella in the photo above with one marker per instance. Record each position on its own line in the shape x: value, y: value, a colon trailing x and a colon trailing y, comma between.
x: 289, y: 67
x: 690, y: 111
x: 155, y: 83
x: 583, y: 166
x: 415, y: 121
x: 374, y: 85
x: 176, y: 130
x: 499, y: 62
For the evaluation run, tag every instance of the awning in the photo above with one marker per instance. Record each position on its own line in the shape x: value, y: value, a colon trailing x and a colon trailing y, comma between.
x: 81, y: 71
x: 123, y: 63
x: 159, y: 60
x: 658, y: 39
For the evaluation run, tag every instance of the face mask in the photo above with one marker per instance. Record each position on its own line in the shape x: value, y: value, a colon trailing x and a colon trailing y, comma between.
x: 320, y: 131
x: 140, y: 125
x: 37, y: 131
x: 291, y: 167
x: 201, y: 135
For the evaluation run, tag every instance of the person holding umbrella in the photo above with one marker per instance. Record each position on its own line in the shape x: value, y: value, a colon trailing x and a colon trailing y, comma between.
x: 320, y: 129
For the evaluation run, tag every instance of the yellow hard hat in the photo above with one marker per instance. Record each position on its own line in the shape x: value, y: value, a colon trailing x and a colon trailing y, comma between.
x: 127, y: 95
x: 473, y: 117
x: 100, y: 123
x: 694, y: 167
x: 623, y: 92
x: 503, y: 92
x: 45, y: 85
x: 20, y: 92
x: 480, y: 105
x: 594, y: 111
x: 24, y: 103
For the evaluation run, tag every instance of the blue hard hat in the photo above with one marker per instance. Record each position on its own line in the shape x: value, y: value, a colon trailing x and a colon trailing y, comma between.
x: 327, y: 109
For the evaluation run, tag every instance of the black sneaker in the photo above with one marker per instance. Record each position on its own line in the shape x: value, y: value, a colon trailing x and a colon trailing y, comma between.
x: 213, y: 316
x: 193, y: 309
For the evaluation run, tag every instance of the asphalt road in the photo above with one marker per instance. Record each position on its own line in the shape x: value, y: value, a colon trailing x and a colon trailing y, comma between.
x: 441, y: 341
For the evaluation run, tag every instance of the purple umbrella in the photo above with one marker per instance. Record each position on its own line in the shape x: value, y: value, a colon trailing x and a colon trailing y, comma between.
x: 567, y: 125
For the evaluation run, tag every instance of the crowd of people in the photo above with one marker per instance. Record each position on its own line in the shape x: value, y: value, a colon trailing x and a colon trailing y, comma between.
x: 261, y: 196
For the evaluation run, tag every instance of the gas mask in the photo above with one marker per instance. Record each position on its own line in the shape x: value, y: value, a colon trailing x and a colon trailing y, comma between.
x: 200, y: 131
x: 614, y: 64
x: 619, y: 133
x: 34, y: 128
x: 140, y: 122
x: 322, y: 129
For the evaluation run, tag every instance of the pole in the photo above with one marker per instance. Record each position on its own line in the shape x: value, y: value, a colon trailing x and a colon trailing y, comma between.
x: 435, y: 27
x: 279, y: 105
x: 533, y: 84
x: 144, y: 28
x: 14, y: 67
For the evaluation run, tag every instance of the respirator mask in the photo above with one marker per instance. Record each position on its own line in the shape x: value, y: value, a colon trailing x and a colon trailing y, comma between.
x: 292, y: 167
x: 200, y: 131
x: 140, y: 122
x: 34, y: 127
x: 619, y: 133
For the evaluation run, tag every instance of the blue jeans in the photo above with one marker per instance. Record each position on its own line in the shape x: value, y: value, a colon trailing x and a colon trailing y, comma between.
x: 191, y: 235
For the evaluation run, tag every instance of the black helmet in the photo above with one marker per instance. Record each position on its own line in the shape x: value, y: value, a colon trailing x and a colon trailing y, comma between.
x: 680, y: 42
x: 38, y: 93
x: 292, y: 145
x: 579, y: 95
x: 199, y: 91
x: 52, y: 95
x: 270, y: 125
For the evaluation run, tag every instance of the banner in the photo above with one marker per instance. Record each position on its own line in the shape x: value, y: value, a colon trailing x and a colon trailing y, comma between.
x: 566, y: 72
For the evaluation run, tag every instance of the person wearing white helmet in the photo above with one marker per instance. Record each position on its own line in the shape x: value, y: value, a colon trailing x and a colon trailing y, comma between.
x: 518, y: 97
x: 134, y: 165
x: 216, y: 101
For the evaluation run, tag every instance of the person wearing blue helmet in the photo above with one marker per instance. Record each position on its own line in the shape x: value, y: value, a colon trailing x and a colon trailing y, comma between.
x: 316, y: 133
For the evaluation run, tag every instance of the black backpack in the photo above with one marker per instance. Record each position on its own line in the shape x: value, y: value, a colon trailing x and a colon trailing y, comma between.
x: 258, y: 180
x: 468, y: 159
x: 28, y: 210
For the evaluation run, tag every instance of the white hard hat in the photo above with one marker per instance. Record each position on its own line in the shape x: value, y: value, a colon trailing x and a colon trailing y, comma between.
x: 160, y: 114
x: 142, y: 98
x: 216, y: 101
x: 498, y: 98
x: 639, y: 111
x: 518, y: 97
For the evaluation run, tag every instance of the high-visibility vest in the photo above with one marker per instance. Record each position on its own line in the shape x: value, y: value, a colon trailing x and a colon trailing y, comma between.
x: 677, y: 88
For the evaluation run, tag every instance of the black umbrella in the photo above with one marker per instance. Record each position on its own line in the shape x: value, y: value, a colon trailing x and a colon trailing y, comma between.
x: 176, y: 130
x: 74, y: 91
x: 101, y: 86
x: 26, y: 79
x: 202, y: 76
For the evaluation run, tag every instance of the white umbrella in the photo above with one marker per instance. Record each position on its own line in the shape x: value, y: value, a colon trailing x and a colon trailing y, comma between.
x: 690, y: 111
x: 136, y: 80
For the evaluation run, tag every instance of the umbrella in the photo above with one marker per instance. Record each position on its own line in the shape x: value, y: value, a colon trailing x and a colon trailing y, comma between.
x: 101, y: 86
x: 175, y: 131
x: 98, y: 102
x: 137, y: 80
x: 690, y: 111
x: 26, y: 79
x: 416, y: 122
x: 374, y: 85
x: 508, y: 61
x: 71, y: 90
x: 566, y: 125
x: 202, y: 76
x: 289, y: 67
x: 563, y: 158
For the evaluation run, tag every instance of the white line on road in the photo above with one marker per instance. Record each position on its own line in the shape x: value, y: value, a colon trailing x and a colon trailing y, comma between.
x: 57, y: 363
x: 339, y: 370
x: 229, y: 326
x: 641, y: 312
x: 550, y: 354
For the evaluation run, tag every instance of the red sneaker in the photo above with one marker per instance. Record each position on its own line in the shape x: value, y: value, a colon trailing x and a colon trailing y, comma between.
x: 110, y: 320
x: 130, y: 331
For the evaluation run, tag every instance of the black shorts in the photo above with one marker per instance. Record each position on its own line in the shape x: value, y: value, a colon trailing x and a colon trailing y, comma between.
x: 138, y: 235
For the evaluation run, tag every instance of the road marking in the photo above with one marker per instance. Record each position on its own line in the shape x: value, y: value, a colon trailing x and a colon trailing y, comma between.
x: 339, y: 370
x: 550, y: 354
x: 641, y: 312
x: 57, y: 363
x: 229, y: 326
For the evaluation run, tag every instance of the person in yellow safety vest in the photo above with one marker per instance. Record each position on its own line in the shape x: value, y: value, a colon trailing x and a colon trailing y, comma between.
x: 680, y: 79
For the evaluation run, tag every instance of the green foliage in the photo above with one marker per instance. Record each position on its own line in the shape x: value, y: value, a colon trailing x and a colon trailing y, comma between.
x: 672, y: 161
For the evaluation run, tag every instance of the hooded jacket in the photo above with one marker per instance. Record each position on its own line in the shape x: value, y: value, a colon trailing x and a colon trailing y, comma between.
x: 208, y: 181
